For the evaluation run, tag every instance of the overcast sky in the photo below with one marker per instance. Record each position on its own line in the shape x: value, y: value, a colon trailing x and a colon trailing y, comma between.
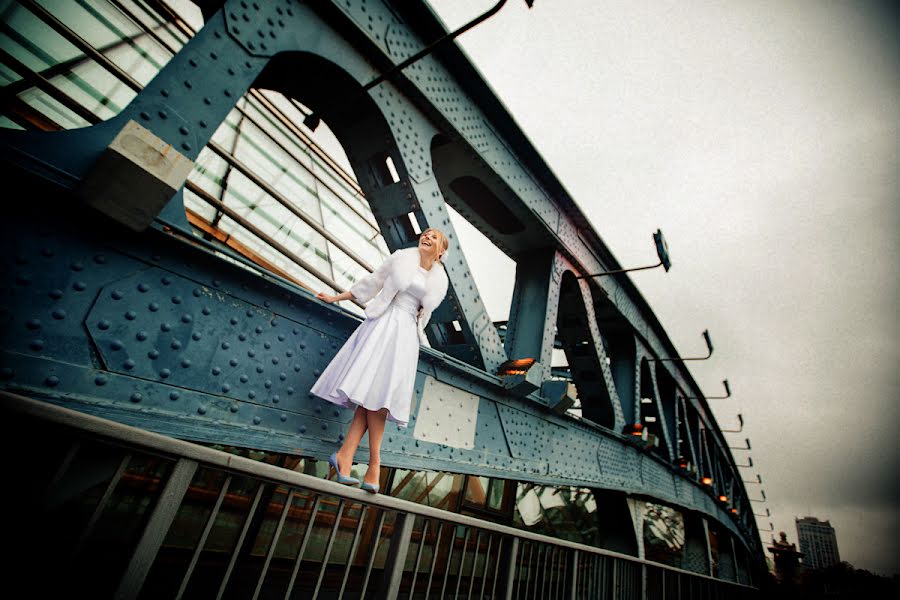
x: 762, y: 138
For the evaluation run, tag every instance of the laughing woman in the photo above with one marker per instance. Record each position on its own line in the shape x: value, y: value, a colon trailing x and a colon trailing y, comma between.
x: 375, y: 370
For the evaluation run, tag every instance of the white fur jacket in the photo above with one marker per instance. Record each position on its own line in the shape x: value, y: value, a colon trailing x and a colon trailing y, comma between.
x: 394, y: 275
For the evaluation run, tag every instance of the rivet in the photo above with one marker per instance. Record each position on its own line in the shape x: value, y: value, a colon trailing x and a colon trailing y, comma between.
x: 234, y: 407
x: 163, y: 114
x: 185, y: 146
x: 235, y: 30
x: 251, y: 352
x: 100, y: 379
x: 79, y: 286
x: 256, y: 420
x: 186, y: 318
x: 206, y: 310
x: 225, y: 345
x: 214, y: 56
x: 165, y: 373
x: 128, y: 364
x: 276, y: 399
x: 297, y: 368
x: 290, y: 391
x: 100, y: 259
x: 302, y: 345
x: 274, y: 360
x: 249, y: 313
x: 233, y: 362
x: 244, y: 379
x: 233, y: 321
x: 268, y: 383
x: 251, y: 394
x: 165, y: 327
x: 302, y: 429
x: 216, y: 370
x: 153, y: 306
x: 227, y: 93
x: 145, y: 115
x: 259, y: 369
x: 52, y: 381
x: 185, y: 363
x: 117, y: 295
x: 282, y: 376
x: 324, y: 426
x: 116, y: 344
x: 283, y: 417
x: 176, y: 345
x: 153, y: 354
x: 201, y: 409
x: 136, y: 397
x: 174, y: 396
x: 131, y: 315
x: 226, y: 388
x: 207, y: 101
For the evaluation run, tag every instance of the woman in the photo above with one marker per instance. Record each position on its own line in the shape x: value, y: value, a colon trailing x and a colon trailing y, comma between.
x: 375, y: 370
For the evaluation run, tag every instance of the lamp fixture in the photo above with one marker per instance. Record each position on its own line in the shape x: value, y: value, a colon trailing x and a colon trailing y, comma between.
x: 312, y: 120
x: 747, y: 440
x: 763, y: 493
x: 518, y: 366
x: 662, y: 251
x: 709, y: 347
x: 740, y: 418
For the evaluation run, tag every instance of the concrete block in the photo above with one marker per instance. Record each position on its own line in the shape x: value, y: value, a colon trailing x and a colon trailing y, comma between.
x: 135, y: 177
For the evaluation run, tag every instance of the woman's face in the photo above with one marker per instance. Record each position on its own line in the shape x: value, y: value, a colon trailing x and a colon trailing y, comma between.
x: 429, y: 244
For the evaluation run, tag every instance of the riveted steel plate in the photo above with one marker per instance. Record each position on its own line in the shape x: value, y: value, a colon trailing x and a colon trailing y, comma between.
x: 447, y: 415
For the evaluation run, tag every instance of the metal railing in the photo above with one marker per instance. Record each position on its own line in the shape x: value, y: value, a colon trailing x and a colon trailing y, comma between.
x: 118, y: 511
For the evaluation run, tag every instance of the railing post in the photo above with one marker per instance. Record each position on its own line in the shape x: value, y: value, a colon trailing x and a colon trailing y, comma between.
x: 643, y: 581
x: 574, y: 580
x: 396, y: 558
x: 511, y: 570
x: 156, y: 529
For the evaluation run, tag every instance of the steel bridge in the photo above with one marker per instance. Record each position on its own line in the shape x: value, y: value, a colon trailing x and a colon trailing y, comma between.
x: 158, y: 266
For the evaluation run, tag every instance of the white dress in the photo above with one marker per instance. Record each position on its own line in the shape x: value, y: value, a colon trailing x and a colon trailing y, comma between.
x: 376, y: 367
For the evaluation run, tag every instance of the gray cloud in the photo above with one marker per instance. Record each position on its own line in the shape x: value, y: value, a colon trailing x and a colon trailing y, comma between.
x: 764, y: 139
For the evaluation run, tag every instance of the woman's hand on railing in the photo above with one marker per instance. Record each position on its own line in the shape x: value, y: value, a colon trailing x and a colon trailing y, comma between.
x: 332, y: 299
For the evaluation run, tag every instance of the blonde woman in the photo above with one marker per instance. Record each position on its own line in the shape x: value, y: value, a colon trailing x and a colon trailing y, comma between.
x: 375, y: 370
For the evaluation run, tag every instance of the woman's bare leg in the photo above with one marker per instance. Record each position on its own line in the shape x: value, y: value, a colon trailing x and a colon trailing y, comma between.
x: 376, y: 420
x: 351, y: 441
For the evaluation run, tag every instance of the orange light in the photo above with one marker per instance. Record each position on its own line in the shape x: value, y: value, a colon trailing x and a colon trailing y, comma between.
x: 682, y: 463
x: 518, y: 366
x: 723, y: 498
x: 734, y: 511
x: 706, y: 481
x: 634, y: 429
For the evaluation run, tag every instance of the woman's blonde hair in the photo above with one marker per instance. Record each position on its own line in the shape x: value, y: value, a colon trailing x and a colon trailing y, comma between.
x: 443, y: 242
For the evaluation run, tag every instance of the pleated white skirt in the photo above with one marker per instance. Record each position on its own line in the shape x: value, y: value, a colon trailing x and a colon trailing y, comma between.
x: 376, y: 367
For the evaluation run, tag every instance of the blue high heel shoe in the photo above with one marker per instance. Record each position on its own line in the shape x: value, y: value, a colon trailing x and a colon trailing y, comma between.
x: 332, y: 462
x: 369, y: 487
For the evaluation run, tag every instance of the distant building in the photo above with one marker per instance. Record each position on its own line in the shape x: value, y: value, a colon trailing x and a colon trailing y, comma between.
x: 817, y: 543
x: 785, y: 558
